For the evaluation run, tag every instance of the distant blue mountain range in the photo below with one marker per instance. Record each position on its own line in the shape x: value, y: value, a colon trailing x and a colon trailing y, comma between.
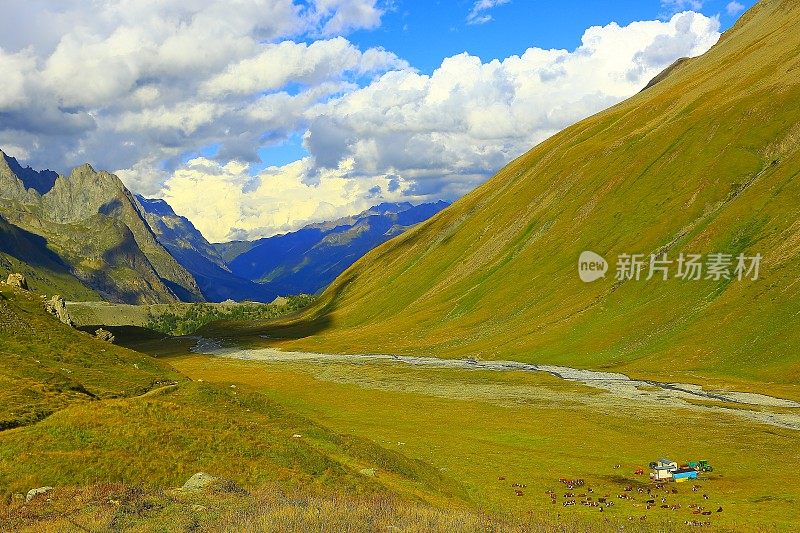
x: 188, y: 246
x: 307, y: 260
x: 302, y: 261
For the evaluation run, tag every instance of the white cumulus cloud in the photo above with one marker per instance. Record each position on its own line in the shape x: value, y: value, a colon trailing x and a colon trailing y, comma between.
x: 447, y: 131
x: 225, y: 202
x: 309, y: 64
x: 127, y: 81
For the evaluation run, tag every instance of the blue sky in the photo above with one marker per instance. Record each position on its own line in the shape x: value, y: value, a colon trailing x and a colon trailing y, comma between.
x: 425, y: 32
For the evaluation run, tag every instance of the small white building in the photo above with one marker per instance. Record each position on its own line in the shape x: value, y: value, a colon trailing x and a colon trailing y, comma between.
x: 663, y: 469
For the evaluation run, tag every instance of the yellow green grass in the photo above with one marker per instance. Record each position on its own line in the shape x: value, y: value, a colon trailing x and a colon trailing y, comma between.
x: 422, y: 448
x: 46, y: 365
x: 163, y: 439
x: 477, y: 427
x: 81, y: 412
x: 272, y: 507
x: 705, y: 161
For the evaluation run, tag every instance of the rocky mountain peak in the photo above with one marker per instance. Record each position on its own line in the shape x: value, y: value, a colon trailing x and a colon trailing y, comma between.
x: 92, y: 214
x: 23, y: 184
x: 84, y: 169
x: 84, y: 193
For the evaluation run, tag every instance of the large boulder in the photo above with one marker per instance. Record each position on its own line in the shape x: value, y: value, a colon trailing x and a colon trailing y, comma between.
x: 37, y: 492
x: 202, y: 482
x: 199, y: 482
x: 57, y: 307
x: 105, y: 335
x: 18, y: 281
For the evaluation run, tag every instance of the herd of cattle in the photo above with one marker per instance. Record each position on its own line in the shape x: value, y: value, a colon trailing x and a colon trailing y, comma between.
x: 655, y: 496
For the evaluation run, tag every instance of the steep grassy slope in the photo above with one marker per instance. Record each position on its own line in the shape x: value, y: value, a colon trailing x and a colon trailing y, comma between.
x: 46, y: 366
x: 704, y: 161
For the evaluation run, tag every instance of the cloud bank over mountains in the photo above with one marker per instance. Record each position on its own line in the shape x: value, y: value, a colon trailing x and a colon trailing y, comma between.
x: 178, y: 97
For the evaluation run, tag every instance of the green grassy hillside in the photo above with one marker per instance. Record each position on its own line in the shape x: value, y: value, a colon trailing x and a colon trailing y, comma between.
x: 75, y: 411
x: 26, y: 253
x: 46, y: 366
x: 704, y: 161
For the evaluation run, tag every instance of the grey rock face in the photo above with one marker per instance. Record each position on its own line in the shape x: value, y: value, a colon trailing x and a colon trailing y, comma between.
x: 198, y: 482
x: 57, y: 307
x: 105, y: 335
x: 13, y: 181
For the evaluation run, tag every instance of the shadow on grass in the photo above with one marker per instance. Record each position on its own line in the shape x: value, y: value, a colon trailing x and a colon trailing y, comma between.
x: 297, y: 326
x: 241, y: 333
x: 303, y: 324
x: 147, y: 341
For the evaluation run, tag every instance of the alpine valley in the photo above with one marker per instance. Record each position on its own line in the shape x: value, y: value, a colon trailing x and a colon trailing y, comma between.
x: 435, y: 367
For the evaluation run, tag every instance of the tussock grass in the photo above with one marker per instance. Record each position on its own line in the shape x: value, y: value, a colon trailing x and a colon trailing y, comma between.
x: 119, y: 507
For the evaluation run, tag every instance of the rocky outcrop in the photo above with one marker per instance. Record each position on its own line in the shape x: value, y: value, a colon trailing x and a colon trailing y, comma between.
x: 18, y: 281
x: 105, y: 335
x: 33, y: 493
x: 198, y: 482
x: 23, y: 185
x: 202, y: 482
x: 279, y: 301
x: 57, y: 307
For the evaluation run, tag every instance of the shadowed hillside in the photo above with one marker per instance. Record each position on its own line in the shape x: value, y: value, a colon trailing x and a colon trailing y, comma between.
x: 188, y: 246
